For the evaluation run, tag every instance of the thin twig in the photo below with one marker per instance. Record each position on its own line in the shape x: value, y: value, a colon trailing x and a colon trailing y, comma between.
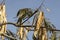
x: 17, y: 25
x: 8, y: 36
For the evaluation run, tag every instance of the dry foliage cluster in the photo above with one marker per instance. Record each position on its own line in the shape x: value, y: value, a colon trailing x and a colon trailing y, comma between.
x: 41, y: 27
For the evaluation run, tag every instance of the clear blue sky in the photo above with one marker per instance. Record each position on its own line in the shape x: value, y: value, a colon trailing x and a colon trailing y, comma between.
x: 12, y: 6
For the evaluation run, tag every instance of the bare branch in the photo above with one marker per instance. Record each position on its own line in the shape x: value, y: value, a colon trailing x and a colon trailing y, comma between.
x: 8, y: 36
x: 51, y: 29
x: 16, y: 25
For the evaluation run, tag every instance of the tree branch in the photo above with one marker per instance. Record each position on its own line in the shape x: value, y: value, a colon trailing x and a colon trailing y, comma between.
x: 8, y: 36
x: 51, y: 29
x: 16, y: 25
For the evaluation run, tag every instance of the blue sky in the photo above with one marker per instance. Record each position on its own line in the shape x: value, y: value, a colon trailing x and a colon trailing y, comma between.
x: 12, y: 6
